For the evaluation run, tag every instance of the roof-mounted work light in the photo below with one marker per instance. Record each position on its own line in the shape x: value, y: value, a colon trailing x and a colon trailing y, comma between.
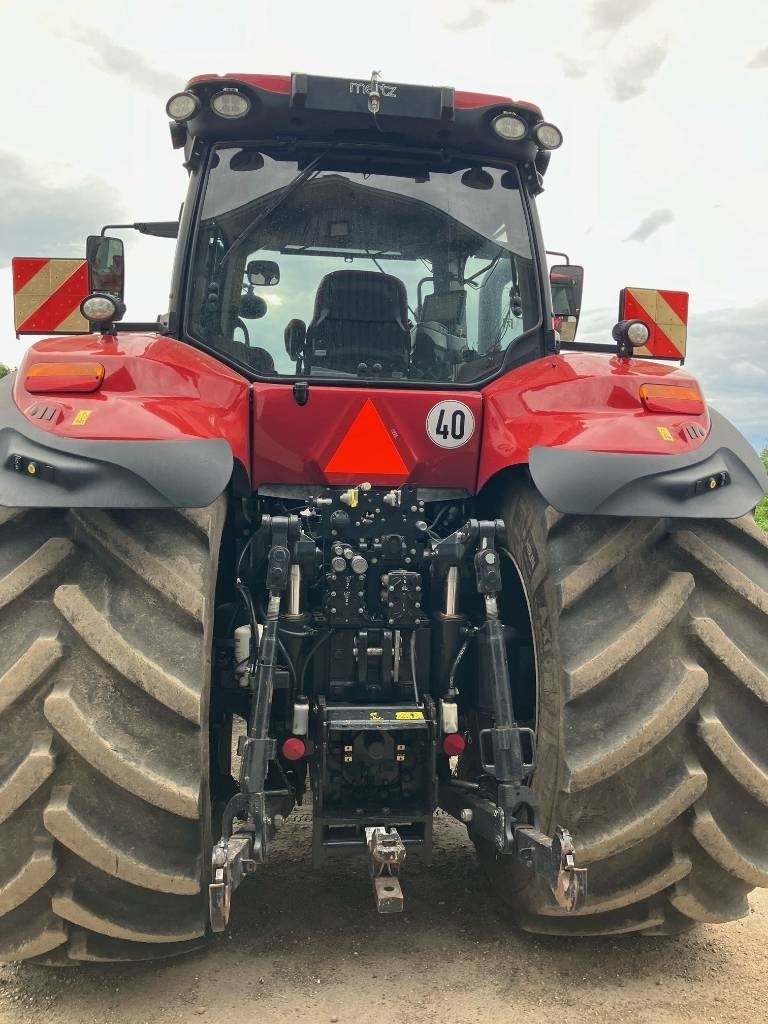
x: 548, y: 136
x: 182, y: 107
x: 230, y: 103
x: 510, y: 127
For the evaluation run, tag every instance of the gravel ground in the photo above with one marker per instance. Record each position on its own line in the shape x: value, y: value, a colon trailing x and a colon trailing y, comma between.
x: 308, y: 946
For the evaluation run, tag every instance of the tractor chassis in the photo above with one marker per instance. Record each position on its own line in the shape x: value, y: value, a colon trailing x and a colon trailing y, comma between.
x: 501, y: 808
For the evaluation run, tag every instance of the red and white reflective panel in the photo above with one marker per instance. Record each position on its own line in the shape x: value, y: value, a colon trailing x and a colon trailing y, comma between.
x: 47, y: 295
x: 665, y: 313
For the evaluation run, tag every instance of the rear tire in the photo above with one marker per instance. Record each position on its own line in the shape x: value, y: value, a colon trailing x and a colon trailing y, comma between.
x: 652, y: 664
x: 105, y: 660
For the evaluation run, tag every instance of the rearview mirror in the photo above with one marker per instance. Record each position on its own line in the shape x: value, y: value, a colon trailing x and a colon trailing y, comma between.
x: 106, y: 260
x: 263, y: 273
x: 566, y: 282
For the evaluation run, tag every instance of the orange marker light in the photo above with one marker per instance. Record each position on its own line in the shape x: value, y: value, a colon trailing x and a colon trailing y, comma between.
x: 79, y: 378
x: 674, y: 398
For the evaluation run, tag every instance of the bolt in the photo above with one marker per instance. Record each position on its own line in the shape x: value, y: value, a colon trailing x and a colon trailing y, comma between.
x: 490, y: 558
x: 466, y: 815
x: 417, y: 604
x: 407, y: 559
x: 333, y: 611
x: 414, y: 508
x: 278, y: 821
x: 360, y: 611
x: 391, y: 622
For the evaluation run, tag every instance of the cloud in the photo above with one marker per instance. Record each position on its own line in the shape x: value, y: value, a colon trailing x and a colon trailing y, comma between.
x: 726, y: 350
x: 611, y: 15
x: 631, y: 77
x: 473, y: 17
x: 121, y: 61
x: 46, y: 211
x: 573, y: 66
x: 650, y: 224
x: 759, y: 59
x: 625, y: 62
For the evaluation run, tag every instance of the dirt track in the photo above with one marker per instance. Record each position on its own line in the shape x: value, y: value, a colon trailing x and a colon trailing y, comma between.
x: 307, y: 950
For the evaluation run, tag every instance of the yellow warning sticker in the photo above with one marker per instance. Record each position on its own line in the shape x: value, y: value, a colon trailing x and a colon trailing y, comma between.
x: 375, y: 716
x: 409, y: 716
x: 665, y: 433
x: 81, y: 418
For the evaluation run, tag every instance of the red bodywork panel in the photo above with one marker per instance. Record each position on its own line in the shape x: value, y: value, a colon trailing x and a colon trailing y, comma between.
x: 297, y: 444
x: 583, y: 401
x: 158, y: 388
x: 281, y: 84
x: 155, y: 389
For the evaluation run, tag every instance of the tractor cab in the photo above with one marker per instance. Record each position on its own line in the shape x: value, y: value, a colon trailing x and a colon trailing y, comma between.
x: 395, y: 223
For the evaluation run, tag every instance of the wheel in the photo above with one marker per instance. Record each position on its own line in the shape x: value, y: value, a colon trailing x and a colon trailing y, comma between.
x: 651, y: 693
x: 105, y: 643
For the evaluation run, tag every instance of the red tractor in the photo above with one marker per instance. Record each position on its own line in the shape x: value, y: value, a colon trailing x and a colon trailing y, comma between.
x: 352, y: 502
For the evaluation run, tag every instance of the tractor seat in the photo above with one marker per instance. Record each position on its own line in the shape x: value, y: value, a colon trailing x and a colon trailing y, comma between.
x: 360, y: 317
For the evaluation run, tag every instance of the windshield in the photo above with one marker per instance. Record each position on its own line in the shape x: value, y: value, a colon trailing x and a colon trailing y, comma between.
x: 324, y: 273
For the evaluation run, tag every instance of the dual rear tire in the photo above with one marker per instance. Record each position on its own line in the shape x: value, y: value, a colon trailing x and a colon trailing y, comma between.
x: 651, y: 644
x: 652, y: 711
x: 105, y: 641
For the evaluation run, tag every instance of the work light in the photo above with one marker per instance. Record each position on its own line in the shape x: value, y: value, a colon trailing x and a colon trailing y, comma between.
x: 182, y: 106
x: 547, y: 136
x: 98, y: 308
x: 230, y: 103
x: 631, y: 334
x: 638, y: 334
x: 510, y: 127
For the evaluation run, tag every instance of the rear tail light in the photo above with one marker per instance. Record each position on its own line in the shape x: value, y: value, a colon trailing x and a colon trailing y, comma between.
x: 672, y: 398
x: 294, y: 749
x: 42, y: 378
x: 454, y: 744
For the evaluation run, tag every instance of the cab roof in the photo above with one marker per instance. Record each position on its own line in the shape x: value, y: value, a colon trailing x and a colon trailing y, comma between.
x: 303, y: 109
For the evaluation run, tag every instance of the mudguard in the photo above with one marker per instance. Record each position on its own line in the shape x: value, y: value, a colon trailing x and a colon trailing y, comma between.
x: 724, y: 478
x: 72, y: 473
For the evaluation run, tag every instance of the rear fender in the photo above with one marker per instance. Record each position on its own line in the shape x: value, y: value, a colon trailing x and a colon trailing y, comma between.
x: 169, y: 428
x: 592, y: 448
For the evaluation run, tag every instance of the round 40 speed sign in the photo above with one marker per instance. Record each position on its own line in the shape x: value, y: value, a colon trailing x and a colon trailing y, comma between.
x: 450, y: 424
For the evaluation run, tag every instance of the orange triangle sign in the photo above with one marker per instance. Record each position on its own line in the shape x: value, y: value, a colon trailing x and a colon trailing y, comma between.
x: 367, y: 448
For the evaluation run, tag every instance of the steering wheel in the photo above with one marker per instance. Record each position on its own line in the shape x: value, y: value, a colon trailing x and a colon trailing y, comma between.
x: 239, y: 322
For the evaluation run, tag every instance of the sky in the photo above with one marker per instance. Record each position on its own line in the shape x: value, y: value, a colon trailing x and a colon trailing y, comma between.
x: 661, y: 181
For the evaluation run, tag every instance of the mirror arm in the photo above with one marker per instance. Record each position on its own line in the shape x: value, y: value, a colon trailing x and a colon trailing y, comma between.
x: 156, y: 228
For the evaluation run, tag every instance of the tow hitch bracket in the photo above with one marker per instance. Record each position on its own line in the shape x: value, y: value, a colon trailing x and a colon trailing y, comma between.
x: 231, y: 861
x: 554, y: 860
x: 386, y: 853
